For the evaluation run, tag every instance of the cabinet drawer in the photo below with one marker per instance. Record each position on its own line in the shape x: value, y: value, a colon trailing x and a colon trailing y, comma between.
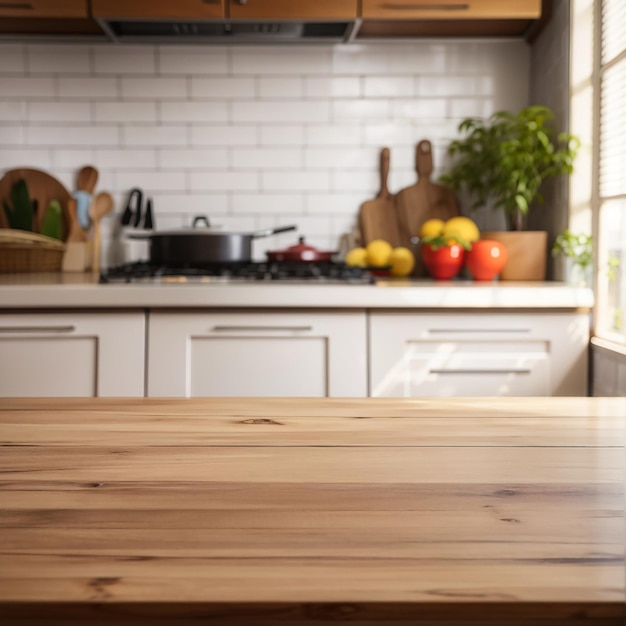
x: 290, y: 10
x: 466, y: 368
x: 257, y: 354
x: 72, y: 354
x: 451, y: 9
x: 478, y: 354
x: 149, y: 9
x: 45, y: 8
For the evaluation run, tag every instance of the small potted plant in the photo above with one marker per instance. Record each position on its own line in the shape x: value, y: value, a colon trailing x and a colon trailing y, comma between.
x: 503, y: 161
x: 577, y: 249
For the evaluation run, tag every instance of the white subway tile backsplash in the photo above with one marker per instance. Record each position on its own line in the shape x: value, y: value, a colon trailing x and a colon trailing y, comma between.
x: 224, y: 135
x: 337, y: 158
x: 24, y: 157
x: 194, y: 112
x: 268, y: 203
x: 470, y: 107
x: 282, y: 135
x: 135, y: 88
x: 68, y: 159
x: 451, y: 85
x: 334, y: 134
x: 193, y: 60
x: 151, y: 181
x: 124, y: 59
x: 263, y: 112
x: 401, y: 133
x: 125, y: 112
x: 389, y: 86
x: 275, y: 88
x: 86, y: 88
x: 295, y: 181
x: 252, y: 136
x: 59, y: 112
x: 334, y: 203
x: 224, y: 181
x: 209, y: 204
x: 13, y: 59
x: 431, y: 108
x: 63, y: 59
x: 12, y: 112
x: 341, y: 87
x: 222, y: 88
x: 193, y: 158
x: 360, y: 110
x: 26, y: 87
x: 11, y: 135
x: 267, y: 158
x: 58, y: 136
x: 154, y: 136
x: 125, y: 159
x: 273, y: 60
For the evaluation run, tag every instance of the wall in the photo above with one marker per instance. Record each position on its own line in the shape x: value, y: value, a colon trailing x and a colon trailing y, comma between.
x: 549, y: 85
x: 251, y: 136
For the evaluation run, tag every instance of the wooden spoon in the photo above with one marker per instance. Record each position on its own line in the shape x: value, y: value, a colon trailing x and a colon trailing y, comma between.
x: 101, y: 205
x: 87, y: 179
x: 76, y: 233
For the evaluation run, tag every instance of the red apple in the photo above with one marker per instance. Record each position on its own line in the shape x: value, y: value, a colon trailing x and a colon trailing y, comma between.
x: 443, y: 262
x: 486, y: 259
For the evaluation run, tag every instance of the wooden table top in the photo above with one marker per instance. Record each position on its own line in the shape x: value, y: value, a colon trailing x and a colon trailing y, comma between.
x: 288, y: 511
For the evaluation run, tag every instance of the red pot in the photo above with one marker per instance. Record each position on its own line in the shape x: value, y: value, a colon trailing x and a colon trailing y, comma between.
x: 300, y: 252
x: 486, y: 259
x: 444, y: 262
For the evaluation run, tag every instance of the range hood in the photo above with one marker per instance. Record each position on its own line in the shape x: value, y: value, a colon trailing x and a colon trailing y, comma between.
x: 228, y: 32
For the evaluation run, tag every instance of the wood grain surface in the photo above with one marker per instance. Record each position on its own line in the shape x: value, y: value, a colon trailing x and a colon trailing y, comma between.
x: 378, y: 217
x: 503, y: 511
x: 421, y: 202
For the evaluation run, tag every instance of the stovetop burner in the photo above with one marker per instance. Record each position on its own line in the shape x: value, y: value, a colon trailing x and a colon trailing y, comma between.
x: 323, y: 272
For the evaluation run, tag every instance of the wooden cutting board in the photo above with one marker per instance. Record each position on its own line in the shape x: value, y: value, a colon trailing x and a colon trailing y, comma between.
x: 41, y: 187
x: 378, y: 217
x: 423, y: 201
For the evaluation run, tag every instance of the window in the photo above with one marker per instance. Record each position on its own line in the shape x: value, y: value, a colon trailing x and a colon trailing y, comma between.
x: 598, y: 117
x: 611, y: 170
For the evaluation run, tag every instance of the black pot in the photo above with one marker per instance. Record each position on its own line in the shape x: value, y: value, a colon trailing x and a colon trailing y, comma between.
x: 202, y: 245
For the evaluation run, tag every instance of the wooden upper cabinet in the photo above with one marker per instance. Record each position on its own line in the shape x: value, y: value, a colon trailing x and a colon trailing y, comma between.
x: 44, y: 9
x: 292, y: 9
x: 451, y: 9
x: 158, y: 9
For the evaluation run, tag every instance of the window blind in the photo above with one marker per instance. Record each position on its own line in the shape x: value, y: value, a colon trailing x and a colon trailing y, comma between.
x: 613, y: 100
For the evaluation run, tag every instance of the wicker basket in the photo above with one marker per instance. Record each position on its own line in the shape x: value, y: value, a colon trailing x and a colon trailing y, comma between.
x: 21, y: 251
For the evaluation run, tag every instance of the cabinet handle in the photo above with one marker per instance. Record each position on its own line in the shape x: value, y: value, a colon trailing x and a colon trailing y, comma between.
x: 434, y: 331
x: 37, y: 329
x: 260, y: 328
x: 469, y: 371
x: 24, y: 6
x: 456, y: 6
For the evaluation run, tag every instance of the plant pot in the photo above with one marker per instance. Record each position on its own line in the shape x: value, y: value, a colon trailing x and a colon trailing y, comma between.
x: 445, y: 262
x: 527, y: 253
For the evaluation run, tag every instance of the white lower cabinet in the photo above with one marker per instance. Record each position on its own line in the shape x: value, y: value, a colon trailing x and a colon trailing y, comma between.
x: 470, y: 354
x: 297, y: 354
x: 77, y: 355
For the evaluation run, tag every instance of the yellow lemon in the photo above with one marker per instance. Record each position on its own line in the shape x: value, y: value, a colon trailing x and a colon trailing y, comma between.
x: 462, y: 227
x: 378, y: 252
x: 402, y: 262
x: 357, y: 257
x: 432, y: 228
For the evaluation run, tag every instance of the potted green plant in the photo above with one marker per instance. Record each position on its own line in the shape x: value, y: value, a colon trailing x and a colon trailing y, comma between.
x: 503, y: 161
x: 577, y: 249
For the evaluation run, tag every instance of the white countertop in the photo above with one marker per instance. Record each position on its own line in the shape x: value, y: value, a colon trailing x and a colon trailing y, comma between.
x: 69, y: 291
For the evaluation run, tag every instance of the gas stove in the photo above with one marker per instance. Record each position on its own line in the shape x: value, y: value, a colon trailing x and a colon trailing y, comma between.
x: 264, y: 272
